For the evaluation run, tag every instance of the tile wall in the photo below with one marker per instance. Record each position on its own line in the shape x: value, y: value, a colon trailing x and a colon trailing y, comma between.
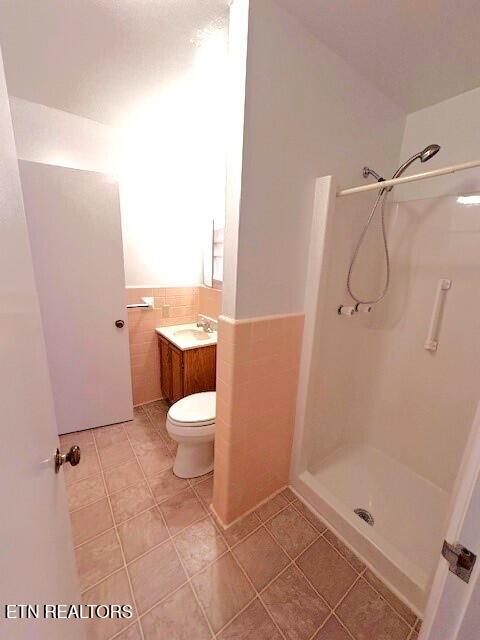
x: 184, y: 305
x: 257, y: 376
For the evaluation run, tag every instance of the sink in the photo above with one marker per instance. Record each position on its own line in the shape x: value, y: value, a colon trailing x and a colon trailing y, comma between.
x: 188, y: 336
x: 194, y: 334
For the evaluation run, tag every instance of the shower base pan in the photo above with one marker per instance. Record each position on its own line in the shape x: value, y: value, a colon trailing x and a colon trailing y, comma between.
x: 402, y: 544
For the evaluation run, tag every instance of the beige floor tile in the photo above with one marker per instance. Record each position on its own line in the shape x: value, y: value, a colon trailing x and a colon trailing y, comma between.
x: 418, y: 626
x: 414, y: 636
x: 270, y: 508
x: 142, y: 432
x: 181, y: 510
x: 156, y: 407
x: 141, y: 533
x: 194, y: 481
x: 344, y: 551
x: 178, y: 617
x: 333, y: 630
x: 223, y: 590
x: 123, y: 476
x: 132, y: 633
x: 88, y: 466
x: 84, y: 492
x: 113, y: 590
x: 205, y: 491
x: 240, y: 529
x: 150, y: 441
x: 90, y: 521
x: 166, y: 484
x: 288, y: 494
x: 80, y: 438
x: 309, y: 515
x: 199, y: 544
x: 139, y: 415
x: 291, y: 531
x: 98, y: 558
x: 155, y: 575
x: 252, y: 624
x: 294, y: 605
x: 131, y: 501
x: 399, y: 606
x: 367, y: 615
x: 261, y: 557
x: 106, y: 436
x: 329, y: 573
x: 155, y: 460
x: 116, y: 454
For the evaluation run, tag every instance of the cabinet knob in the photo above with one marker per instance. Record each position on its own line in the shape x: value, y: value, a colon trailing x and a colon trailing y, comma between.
x: 119, y: 324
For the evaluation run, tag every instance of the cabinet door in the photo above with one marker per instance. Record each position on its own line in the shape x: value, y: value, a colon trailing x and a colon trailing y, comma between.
x: 177, y: 374
x: 165, y: 368
x: 200, y: 370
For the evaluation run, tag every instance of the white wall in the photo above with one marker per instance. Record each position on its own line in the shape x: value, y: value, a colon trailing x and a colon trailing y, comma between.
x: 454, y: 124
x: 55, y: 137
x: 307, y: 114
x: 169, y: 158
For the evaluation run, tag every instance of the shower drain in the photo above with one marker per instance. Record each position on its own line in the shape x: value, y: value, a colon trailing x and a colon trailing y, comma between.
x: 365, y: 515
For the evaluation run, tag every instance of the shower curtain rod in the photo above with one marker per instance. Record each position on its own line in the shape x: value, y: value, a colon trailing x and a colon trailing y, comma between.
x: 417, y: 176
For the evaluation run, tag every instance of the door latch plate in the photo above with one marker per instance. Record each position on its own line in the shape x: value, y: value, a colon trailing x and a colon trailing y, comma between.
x: 460, y: 559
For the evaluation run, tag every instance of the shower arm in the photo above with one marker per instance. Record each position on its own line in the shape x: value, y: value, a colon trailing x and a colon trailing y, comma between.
x: 370, y: 172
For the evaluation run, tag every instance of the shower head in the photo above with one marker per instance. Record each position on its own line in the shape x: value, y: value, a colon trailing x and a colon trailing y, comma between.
x: 424, y: 155
x: 429, y: 152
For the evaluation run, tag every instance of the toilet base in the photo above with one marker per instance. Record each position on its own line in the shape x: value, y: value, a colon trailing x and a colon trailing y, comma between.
x: 193, y: 460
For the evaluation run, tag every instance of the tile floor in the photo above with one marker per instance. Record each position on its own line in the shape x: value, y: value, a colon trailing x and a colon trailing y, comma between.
x: 146, y: 538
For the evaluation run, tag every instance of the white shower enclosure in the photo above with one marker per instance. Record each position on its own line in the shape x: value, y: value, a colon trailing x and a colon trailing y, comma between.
x: 382, y: 421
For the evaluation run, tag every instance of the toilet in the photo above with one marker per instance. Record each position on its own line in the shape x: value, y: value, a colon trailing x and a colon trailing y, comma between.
x: 191, y: 423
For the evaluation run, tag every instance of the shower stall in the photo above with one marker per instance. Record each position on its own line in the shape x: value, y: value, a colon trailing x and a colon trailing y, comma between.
x: 387, y: 396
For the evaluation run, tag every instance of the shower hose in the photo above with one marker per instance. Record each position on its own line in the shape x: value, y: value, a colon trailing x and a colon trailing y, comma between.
x: 382, y: 197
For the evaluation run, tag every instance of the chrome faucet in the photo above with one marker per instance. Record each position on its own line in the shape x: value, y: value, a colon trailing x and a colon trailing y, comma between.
x: 205, y: 325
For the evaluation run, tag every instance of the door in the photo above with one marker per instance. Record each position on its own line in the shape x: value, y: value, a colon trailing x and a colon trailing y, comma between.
x: 36, y: 551
x: 73, y: 220
x: 453, y: 609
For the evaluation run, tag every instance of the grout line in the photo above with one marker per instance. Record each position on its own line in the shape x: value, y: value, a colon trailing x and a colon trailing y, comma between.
x: 342, y: 624
x: 362, y: 572
x: 120, y: 544
x: 229, y: 548
x: 388, y: 603
x: 237, y: 615
x: 257, y: 593
x: 130, y: 626
x: 170, y: 537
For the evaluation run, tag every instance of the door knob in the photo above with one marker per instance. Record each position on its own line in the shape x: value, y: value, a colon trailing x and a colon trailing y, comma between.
x: 119, y: 324
x: 73, y: 457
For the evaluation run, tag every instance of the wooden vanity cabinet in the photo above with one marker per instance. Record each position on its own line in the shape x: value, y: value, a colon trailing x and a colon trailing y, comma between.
x: 185, y: 372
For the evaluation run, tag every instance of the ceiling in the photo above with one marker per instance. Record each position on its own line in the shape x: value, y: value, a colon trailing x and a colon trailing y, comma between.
x: 418, y: 52
x: 97, y: 58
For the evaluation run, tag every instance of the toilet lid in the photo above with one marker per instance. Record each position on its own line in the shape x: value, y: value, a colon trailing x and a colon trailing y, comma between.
x: 194, y: 409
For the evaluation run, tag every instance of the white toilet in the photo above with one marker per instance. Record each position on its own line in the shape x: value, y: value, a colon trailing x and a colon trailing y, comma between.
x: 191, y: 423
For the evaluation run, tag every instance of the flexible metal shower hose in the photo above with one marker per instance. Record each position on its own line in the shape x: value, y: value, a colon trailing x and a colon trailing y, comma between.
x: 382, y: 196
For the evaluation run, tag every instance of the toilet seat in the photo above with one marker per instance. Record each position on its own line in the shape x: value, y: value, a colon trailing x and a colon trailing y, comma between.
x: 197, y: 410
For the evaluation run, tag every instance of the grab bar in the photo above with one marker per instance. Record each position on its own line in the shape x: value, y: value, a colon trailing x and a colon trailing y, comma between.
x: 431, y: 343
x: 147, y: 303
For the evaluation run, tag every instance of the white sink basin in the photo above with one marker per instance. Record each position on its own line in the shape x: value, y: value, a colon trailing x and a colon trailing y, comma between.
x: 194, y: 334
x: 188, y: 336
